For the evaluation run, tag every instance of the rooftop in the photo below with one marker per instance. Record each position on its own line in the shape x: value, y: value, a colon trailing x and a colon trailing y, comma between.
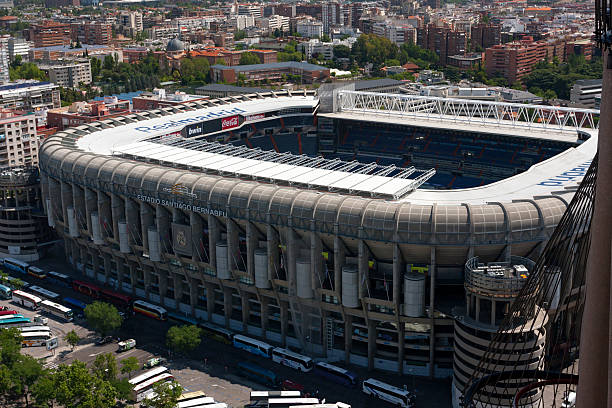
x: 376, y: 83
x: 275, y: 65
x: 66, y: 48
x: 230, y: 88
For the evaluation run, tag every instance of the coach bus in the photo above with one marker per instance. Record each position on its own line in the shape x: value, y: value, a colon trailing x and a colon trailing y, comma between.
x: 26, y: 299
x: 75, y: 304
x: 253, y: 346
x: 59, y: 279
x: 10, y: 316
x: 148, y: 375
x: 16, y: 265
x: 266, y: 395
x: 85, y: 288
x: 389, y: 393
x: 257, y: 373
x: 17, y: 321
x: 5, y: 292
x: 178, y: 318
x: 151, y: 310
x: 36, y: 272
x: 8, y: 312
x: 145, y: 390
x: 291, y: 402
x: 44, y: 293
x: 117, y: 299
x: 35, y: 338
x: 336, y: 374
x: 195, y: 402
x: 38, y: 328
x: 216, y: 333
x: 57, y: 310
x: 291, y: 359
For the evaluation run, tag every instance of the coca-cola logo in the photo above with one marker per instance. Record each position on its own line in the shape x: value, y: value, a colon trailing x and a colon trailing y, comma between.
x: 229, y: 123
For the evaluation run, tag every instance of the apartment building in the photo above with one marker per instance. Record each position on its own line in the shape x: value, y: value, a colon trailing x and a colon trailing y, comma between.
x: 485, y: 35
x: 50, y: 33
x: 4, y: 58
x: 29, y: 95
x: 18, y: 46
x: 131, y: 20
x: 444, y: 41
x: 514, y: 60
x: 585, y: 92
x: 68, y: 74
x: 18, y: 139
x: 254, y: 10
x: 92, y: 33
x: 308, y: 73
x: 310, y: 28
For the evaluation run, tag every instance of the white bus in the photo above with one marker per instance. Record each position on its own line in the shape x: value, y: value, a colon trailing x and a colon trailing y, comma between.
x: 44, y: 293
x: 149, y: 309
x: 291, y: 402
x: 37, y: 328
x: 26, y: 300
x: 56, y: 309
x: 291, y: 359
x: 197, y: 402
x: 144, y: 390
x: 35, y: 338
x: 16, y: 265
x: 10, y: 316
x: 253, y: 346
x: 148, y: 375
x: 265, y: 395
x: 397, y: 396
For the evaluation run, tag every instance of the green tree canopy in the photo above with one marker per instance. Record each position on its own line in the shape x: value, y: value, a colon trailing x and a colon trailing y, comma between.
x: 72, y: 338
x: 183, y: 338
x: 105, y: 367
x: 76, y: 387
x: 28, y: 70
x: 373, y: 48
x: 102, y: 317
x: 342, y: 51
x: 248, y: 58
x: 129, y: 365
x: 167, y: 395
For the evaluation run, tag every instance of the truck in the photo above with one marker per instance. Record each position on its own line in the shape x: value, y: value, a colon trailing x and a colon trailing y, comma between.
x: 41, y: 320
x: 126, y: 344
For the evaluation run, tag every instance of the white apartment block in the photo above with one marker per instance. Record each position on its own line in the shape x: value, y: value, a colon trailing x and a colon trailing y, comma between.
x: 4, y: 59
x: 242, y: 22
x: 18, y: 46
x: 276, y: 22
x: 68, y: 74
x: 131, y: 20
x: 250, y: 10
x: 19, y: 141
x: 310, y: 28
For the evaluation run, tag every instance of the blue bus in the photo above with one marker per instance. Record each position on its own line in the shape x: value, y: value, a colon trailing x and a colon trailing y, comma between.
x: 16, y: 265
x: 178, y: 318
x: 14, y: 322
x: 258, y: 374
x: 336, y: 374
x: 75, y: 304
x: 253, y: 346
x: 59, y: 279
x: 5, y: 292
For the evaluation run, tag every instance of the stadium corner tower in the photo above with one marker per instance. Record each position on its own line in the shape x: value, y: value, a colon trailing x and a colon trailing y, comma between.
x: 342, y: 230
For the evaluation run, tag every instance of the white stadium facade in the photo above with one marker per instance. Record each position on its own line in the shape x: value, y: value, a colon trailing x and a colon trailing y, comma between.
x: 268, y: 216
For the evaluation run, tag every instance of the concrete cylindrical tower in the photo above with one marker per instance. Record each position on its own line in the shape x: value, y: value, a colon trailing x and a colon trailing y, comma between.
x: 50, y: 217
x: 261, y: 269
x: 124, y: 238
x: 350, y: 286
x: 222, y: 261
x: 96, y: 229
x: 153, y: 238
x: 303, y: 281
x: 73, y: 229
x: 414, y: 294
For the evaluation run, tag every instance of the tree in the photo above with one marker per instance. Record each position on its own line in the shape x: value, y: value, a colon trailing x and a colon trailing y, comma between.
x: 28, y: 70
x: 105, y: 367
x: 44, y: 390
x: 342, y: 51
x: 248, y: 58
x: 25, y: 373
x: 77, y: 388
x: 102, y: 317
x: 371, y: 48
x: 183, y: 338
x: 167, y: 395
x: 325, y: 38
x: 129, y: 365
x: 239, y: 35
x: 72, y: 338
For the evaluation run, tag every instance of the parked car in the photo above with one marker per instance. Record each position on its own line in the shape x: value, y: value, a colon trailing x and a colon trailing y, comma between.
x: 104, y: 340
x: 288, y: 385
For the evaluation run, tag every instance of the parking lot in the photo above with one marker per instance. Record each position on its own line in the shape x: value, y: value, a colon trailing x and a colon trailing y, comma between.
x: 211, y: 368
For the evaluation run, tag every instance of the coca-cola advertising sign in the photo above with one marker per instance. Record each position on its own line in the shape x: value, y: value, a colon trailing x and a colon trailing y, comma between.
x: 229, y: 123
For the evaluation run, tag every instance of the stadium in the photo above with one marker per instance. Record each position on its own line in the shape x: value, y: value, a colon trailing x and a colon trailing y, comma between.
x: 298, y: 217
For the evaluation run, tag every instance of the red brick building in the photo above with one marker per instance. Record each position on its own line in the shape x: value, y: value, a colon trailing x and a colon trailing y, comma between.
x: 86, y: 112
x: 92, y: 33
x: 444, y: 41
x: 50, y: 33
x: 514, y: 60
x: 308, y: 73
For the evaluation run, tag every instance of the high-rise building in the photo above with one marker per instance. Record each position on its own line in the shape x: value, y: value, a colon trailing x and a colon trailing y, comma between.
x: 444, y: 41
x: 4, y: 58
x: 486, y: 35
x: 250, y: 10
x: 30, y: 95
x: 330, y: 15
x: 50, y: 33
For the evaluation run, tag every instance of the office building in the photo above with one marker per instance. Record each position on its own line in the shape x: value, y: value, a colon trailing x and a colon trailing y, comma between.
x: 585, y: 91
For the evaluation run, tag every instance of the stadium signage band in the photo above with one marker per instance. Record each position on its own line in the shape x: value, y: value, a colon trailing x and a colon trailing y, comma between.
x: 250, y: 118
x: 569, y: 175
x: 181, y: 206
x: 229, y: 123
x: 194, y: 119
